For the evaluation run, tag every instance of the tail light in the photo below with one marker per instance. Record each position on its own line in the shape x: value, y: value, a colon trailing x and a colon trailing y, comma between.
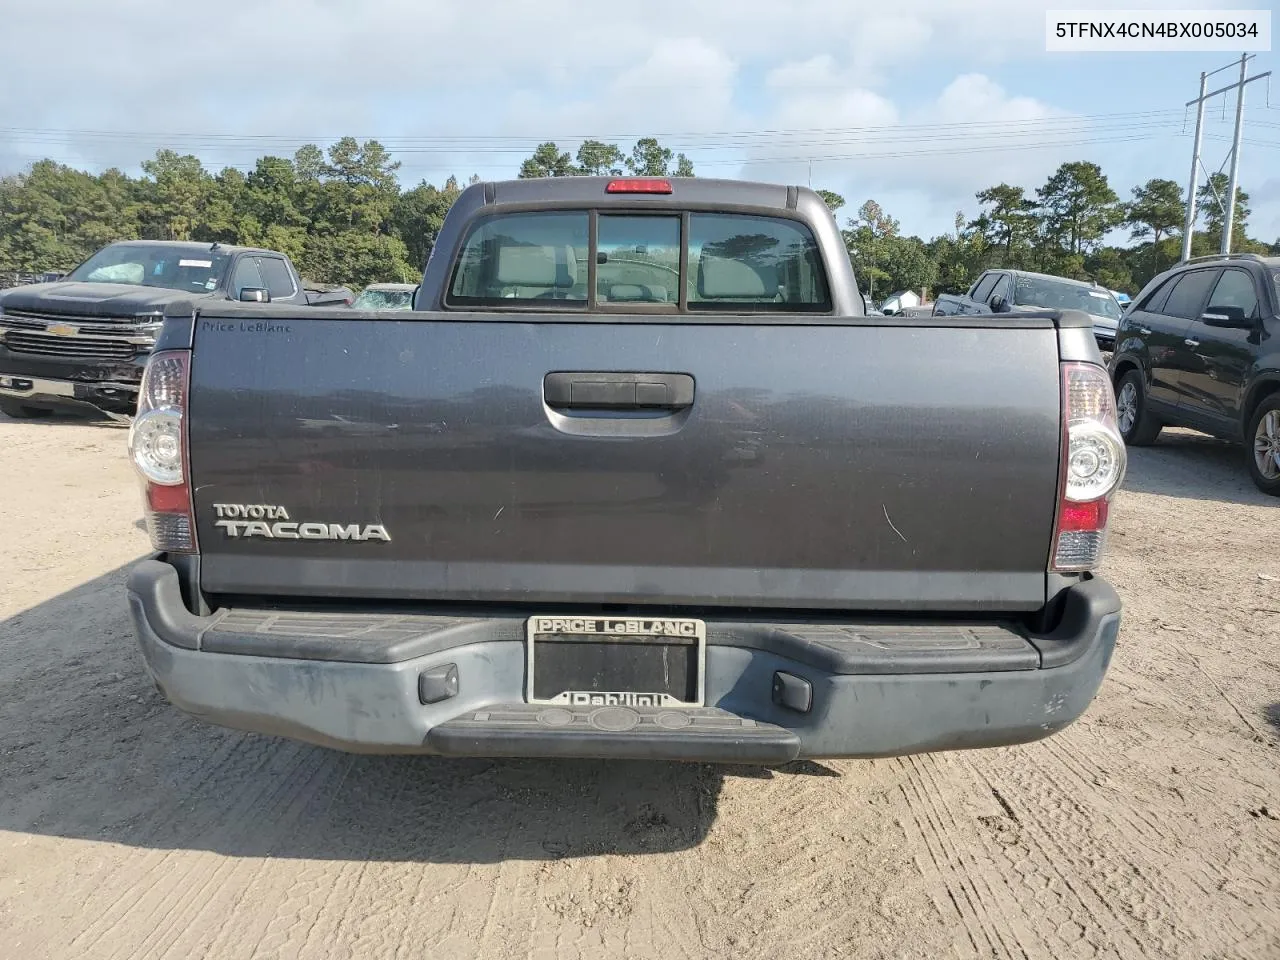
x: 1093, y: 464
x: 158, y: 448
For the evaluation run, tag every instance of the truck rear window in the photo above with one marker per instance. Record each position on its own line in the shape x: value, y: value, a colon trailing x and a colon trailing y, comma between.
x: 638, y: 259
x: 741, y: 261
x: 735, y: 263
x: 527, y: 256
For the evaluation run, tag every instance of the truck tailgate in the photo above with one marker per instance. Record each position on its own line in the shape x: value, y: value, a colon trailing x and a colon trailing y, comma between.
x: 819, y: 465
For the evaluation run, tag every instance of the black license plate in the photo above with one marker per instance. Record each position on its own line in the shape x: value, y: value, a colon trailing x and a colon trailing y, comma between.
x: 616, y: 661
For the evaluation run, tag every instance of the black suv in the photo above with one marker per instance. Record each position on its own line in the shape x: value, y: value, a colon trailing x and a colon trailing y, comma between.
x: 1200, y: 348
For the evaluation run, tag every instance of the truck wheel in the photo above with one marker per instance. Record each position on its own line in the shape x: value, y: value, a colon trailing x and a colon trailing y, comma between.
x: 11, y: 408
x: 1263, y: 439
x: 1138, y: 427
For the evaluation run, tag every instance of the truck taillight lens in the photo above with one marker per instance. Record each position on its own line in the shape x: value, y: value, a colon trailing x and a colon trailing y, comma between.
x: 1093, y: 464
x: 158, y: 448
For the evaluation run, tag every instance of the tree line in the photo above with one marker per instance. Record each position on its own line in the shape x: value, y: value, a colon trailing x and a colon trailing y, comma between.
x: 342, y: 217
x: 339, y: 214
x: 1060, y: 229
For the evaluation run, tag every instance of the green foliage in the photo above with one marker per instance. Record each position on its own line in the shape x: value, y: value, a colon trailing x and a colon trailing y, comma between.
x: 884, y: 259
x: 53, y: 217
x: 341, y: 218
x: 958, y: 259
x: 418, y: 216
x: 547, y: 161
x: 596, y: 159
x: 179, y: 190
x: 1156, y: 210
x: 833, y: 200
x: 357, y: 259
x: 339, y: 214
x: 1078, y: 206
x: 909, y: 265
x: 1211, y: 201
x: 648, y: 158
x: 1008, y: 222
x: 870, y: 237
x: 1060, y: 232
x: 1109, y: 267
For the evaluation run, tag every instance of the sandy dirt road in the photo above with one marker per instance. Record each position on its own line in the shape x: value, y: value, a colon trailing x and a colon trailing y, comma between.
x: 1149, y: 829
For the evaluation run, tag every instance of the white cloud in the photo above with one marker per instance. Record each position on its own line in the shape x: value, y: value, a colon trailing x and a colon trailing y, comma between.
x: 913, y: 159
x: 972, y: 96
x: 322, y: 68
x: 174, y: 67
x: 680, y: 84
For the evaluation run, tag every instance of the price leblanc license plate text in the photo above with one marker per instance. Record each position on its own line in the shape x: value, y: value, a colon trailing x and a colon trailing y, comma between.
x: 641, y: 626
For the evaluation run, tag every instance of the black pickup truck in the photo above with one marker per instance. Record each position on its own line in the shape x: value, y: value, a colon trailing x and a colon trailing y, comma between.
x: 637, y: 477
x: 82, y: 341
x: 1003, y: 291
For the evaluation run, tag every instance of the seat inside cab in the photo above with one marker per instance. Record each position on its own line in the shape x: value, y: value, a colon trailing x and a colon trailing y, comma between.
x: 529, y: 272
x: 726, y: 279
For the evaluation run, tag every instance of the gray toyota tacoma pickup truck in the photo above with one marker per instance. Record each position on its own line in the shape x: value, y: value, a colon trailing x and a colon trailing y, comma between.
x: 636, y: 477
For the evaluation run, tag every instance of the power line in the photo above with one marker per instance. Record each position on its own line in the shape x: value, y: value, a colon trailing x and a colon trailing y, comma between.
x: 983, y: 130
x: 999, y: 147
x: 883, y: 137
x: 698, y: 137
x: 948, y: 151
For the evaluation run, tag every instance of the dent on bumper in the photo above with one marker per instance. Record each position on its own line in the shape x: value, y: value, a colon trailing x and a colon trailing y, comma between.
x: 376, y: 707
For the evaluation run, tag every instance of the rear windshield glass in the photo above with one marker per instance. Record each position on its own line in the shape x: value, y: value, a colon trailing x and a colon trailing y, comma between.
x: 1039, y: 292
x: 735, y: 263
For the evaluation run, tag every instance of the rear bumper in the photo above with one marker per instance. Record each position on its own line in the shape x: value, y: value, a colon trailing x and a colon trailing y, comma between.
x: 869, y: 694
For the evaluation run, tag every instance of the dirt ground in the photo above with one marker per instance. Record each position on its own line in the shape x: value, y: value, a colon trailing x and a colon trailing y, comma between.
x: 1151, y: 828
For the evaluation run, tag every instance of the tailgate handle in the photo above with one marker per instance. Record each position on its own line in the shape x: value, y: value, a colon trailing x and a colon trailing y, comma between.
x: 618, y: 391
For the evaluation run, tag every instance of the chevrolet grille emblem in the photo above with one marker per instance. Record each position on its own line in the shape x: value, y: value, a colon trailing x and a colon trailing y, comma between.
x: 62, y: 329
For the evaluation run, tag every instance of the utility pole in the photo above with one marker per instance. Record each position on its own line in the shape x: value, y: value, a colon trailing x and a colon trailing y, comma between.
x: 1235, y: 162
x: 1199, y: 102
x: 1190, y: 223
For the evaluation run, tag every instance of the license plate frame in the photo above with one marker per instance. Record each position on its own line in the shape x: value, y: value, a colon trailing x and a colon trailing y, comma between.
x: 676, y: 631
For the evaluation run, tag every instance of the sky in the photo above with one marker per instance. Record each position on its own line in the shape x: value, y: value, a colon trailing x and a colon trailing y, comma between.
x: 917, y: 104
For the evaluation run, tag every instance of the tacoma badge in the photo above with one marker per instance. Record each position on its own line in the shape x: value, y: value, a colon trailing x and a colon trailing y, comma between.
x: 267, y: 520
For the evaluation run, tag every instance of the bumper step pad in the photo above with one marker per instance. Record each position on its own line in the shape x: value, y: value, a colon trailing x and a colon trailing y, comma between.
x: 702, y: 734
